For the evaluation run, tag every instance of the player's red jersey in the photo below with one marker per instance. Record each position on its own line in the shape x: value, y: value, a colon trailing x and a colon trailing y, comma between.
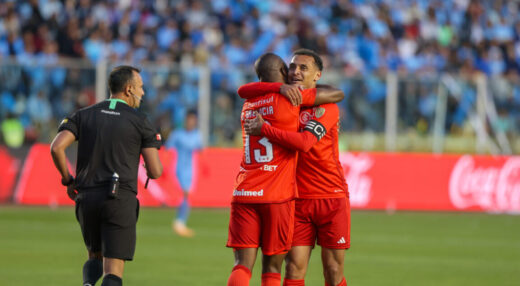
x: 268, y: 171
x: 319, y: 172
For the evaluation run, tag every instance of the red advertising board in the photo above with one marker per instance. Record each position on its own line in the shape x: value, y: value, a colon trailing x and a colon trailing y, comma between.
x: 214, y: 178
x: 8, y: 171
x: 389, y: 181
x: 433, y: 182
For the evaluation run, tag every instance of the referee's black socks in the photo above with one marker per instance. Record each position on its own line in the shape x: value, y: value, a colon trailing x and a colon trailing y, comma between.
x: 112, y: 280
x: 92, y: 271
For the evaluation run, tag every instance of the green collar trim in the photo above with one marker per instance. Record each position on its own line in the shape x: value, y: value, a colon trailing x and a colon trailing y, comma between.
x: 114, y: 101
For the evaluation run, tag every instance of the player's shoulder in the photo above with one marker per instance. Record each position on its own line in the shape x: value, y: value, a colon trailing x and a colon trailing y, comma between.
x: 321, y: 109
x: 327, y: 108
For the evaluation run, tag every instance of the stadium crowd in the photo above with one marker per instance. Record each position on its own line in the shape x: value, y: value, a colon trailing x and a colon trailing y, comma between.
x: 361, y: 40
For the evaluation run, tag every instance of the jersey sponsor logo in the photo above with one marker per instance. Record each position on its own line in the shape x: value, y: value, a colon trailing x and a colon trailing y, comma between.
x: 305, y: 116
x: 244, y: 193
x: 316, y: 128
x: 269, y: 168
x: 110, y: 112
x: 260, y: 102
x: 319, y: 112
x: 342, y: 240
x: 493, y: 188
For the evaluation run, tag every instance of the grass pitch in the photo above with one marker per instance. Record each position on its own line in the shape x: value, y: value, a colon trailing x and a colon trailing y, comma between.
x: 40, y: 246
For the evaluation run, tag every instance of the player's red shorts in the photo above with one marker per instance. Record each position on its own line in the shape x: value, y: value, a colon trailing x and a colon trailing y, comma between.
x: 327, y: 220
x: 269, y: 226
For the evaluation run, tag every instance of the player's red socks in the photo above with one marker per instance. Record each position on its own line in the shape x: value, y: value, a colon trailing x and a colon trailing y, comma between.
x: 293, y: 282
x: 271, y: 279
x: 240, y: 276
x: 342, y: 283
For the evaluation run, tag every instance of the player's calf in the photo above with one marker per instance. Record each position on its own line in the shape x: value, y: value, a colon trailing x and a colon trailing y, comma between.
x: 271, y: 269
x: 333, y: 266
x: 297, y: 262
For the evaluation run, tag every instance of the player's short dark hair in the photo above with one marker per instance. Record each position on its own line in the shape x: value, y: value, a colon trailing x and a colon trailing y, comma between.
x: 192, y: 111
x: 269, y: 66
x: 306, y: 52
x: 119, y: 78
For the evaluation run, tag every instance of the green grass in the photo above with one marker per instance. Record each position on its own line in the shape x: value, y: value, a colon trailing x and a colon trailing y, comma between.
x: 39, y: 246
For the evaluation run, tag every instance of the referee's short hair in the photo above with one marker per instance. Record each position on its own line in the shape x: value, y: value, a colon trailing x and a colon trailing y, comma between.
x: 306, y: 52
x: 119, y: 77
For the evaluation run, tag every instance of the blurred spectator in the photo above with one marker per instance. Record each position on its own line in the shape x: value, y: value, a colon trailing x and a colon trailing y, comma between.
x: 358, y: 39
x: 12, y: 131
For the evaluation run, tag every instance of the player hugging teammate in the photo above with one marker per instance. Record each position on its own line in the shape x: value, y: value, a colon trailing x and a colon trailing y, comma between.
x: 304, y: 196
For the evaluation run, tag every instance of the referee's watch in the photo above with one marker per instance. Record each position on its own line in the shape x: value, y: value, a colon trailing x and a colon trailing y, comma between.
x: 70, y: 182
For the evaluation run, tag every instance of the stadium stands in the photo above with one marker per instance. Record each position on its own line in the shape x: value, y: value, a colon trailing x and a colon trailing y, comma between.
x: 49, y: 48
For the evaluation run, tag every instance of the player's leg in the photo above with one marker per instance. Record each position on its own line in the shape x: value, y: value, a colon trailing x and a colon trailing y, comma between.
x: 303, y: 242
x: 332, y: 260
x: 296, y: 265
x: 271, y: 269
x: 179, y: 225
x: 244, y: 262
x: 244, y: 238
x: 334, y: 237
x: 277, y: 236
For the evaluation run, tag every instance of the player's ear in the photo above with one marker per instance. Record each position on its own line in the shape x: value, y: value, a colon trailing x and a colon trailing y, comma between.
x: 317, y: 76
x: 284, y: 70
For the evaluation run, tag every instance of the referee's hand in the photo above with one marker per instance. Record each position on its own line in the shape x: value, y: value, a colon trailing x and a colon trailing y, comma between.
x: 71, y: 192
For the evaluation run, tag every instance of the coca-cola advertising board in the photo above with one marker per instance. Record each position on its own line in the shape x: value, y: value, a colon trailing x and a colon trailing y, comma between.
x: 433, y: 182
x: 382, y: 181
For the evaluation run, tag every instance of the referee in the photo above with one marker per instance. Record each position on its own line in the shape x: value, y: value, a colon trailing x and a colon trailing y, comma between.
x: 111, y: 136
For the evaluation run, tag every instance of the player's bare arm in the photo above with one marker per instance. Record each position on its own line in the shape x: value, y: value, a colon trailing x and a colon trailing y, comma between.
x: 328, y: 94
x: 300, y: 141
x: 58, y: 146
x: 293, y: 92
x: 324, y: 94
x: 152, y: 162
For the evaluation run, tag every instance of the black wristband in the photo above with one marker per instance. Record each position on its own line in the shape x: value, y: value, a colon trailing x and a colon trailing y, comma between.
x: 66, y: 184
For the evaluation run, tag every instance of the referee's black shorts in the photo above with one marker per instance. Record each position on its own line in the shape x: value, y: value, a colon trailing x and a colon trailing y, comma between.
x: 108, y: 225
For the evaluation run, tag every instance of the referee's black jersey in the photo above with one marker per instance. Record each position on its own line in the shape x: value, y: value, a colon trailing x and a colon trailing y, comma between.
x: 110, y: 137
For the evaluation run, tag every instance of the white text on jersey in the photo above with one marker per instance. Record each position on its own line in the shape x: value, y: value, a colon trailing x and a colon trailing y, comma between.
x: 244, y: 193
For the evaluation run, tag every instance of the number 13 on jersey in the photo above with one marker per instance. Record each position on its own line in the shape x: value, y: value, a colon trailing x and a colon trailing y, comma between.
x: 257, y: 152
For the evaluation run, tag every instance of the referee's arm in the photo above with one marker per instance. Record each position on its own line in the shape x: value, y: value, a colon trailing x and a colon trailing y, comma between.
x: 63, y: 140
x: 152, y: 162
